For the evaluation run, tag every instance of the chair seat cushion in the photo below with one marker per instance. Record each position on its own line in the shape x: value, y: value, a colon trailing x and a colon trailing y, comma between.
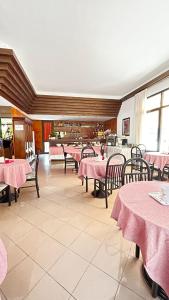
x: 30, y: 176
x: 3, y: 186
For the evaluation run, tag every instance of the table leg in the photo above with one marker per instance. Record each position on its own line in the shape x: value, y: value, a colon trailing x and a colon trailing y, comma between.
x: 155, y: 288
x: 100, y: 193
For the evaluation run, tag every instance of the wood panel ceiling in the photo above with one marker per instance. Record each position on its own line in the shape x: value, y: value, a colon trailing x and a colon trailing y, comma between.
x: 14, y: 84
x: 16, y: 87
x: 75, y: 106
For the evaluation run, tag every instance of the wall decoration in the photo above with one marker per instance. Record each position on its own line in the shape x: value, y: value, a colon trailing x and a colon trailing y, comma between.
x: 126, y: 126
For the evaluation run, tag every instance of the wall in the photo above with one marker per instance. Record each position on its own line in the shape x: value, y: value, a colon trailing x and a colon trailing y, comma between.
x: 128, y: 109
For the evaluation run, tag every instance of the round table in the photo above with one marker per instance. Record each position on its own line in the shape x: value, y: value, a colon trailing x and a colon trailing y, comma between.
x: 146, y: 222
x: 157, y: 158
x: 14, y: 172
x: 3, y: 261
x: 92, y: 167
x: 75, y: 152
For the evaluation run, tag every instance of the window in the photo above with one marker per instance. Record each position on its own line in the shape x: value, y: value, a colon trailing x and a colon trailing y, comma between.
x: 156, y: 135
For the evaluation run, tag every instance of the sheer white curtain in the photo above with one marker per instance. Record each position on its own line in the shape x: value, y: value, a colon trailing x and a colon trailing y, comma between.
x: 140, y: 99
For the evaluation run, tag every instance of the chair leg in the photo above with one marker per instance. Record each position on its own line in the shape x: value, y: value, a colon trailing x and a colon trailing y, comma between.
x: 106, y: 197
x: 86, y: 184
x: 94, y: 187
x: 37, y: 189
x: 15, y: 192
x: 8, y: 193
x: 65, y: 166
x: 155, y: 288
x: 137, y: 252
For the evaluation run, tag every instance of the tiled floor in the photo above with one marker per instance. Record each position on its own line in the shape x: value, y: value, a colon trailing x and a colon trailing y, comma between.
x: 65, y: 245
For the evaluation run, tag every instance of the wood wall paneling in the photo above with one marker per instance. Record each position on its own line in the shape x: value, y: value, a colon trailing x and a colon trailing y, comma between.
x: 37, y: 128
x: 111, y: 124
x: 75, y: 106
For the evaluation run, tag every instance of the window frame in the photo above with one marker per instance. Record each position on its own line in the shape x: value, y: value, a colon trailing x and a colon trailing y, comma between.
x: 159, y: 109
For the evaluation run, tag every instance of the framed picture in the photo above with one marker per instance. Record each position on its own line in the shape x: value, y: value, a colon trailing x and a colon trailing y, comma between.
x: 126, y: 126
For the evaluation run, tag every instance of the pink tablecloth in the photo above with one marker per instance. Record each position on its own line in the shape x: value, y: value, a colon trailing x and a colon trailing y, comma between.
x: 157, y: 158
x: 3, y: 261
x: 92, y: 168
x: 14, y: 173
x: 56, y: 150
x: 146, y: 222
x: 76, y: 152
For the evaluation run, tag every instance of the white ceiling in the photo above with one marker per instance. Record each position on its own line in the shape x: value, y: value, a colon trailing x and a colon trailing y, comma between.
x: 4, y: 102
x: 103, y: 48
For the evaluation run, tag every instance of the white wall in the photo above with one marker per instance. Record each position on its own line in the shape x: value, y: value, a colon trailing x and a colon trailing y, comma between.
x: 127, y: 109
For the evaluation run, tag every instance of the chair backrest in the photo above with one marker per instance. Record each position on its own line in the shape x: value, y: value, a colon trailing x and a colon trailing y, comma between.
x: 136, y: 152
x: 102, y: 149
x: 63, y: 147
x: 88, y: 151
x: 130, y: 174
x: 114, y: 168
x: 142, y: 148
x: 35, y: 165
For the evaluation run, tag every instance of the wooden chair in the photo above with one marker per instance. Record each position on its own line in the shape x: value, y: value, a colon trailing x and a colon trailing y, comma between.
x: 69, y: 161
x: 142, y: 173
x: 33, y: 176
x: 5, y: 193
x: 138, y: 152
x: 142, y: 147
x: 87, y: 151
x: 165, y: 172
x: 113, y: 176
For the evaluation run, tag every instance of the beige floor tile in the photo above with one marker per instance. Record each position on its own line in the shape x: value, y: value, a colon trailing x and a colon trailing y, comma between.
x: 48, y: 253
x: 19, y: 230
x: 124, y: 293
x: 68, y: 270
x: 86, y: 246
x: 66, y: 234
x: 22, y: 209
x: 37, y: 217
x: 95, y: 285
x: 64, y: 214
x: 51, y: 225
x: 21, y: 279
x: 6, y: 240
x: 8, y: 221
x: 114, y: 238
x: 48, y: 289
x: 110, y: 260
x: 98, y: 230
x: 81, y: 222
x: 2, y: 297
x: 32, y: 241
x: 133, y: 278
x: 15, y: 256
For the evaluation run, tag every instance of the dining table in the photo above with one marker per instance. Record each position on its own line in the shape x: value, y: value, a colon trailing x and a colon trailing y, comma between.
x: 95, y: 168
x: 76, y: 151
x: 145, y: 221
x: 3, y: 261
x: 157, y: 158
x: 13, y: 172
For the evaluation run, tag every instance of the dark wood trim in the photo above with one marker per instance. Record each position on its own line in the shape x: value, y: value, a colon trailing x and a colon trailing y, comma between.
x: 146, y: 85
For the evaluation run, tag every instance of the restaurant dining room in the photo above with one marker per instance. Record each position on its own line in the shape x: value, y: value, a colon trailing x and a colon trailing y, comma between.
x: 84, y: 150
